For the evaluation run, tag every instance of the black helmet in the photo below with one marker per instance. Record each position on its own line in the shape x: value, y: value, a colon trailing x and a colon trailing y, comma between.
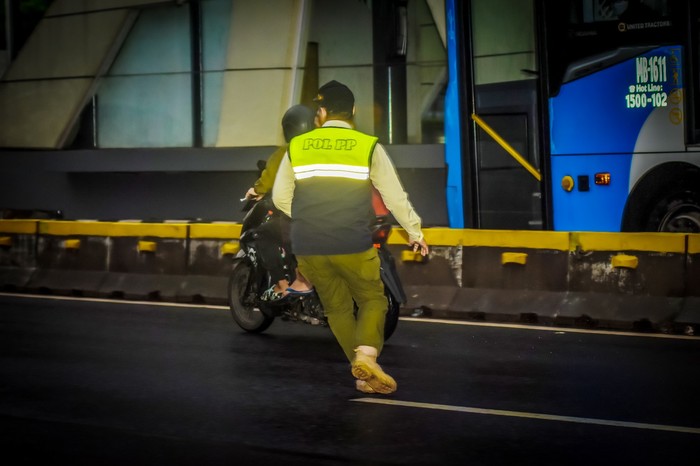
x: 297, y: 120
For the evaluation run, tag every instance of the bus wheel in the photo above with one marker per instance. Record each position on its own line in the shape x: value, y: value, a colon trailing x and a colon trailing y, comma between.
x: 667, y: 199
x: 682, y: 216
x: 677, y: 210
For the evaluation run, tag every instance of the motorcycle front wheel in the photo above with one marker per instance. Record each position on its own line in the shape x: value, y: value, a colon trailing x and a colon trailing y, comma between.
x: 243, y: 292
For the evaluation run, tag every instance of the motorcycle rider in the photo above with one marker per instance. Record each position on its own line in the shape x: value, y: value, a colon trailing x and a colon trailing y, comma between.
x: 298, y: 119
x: 273, y: 236
x: 324, y: 184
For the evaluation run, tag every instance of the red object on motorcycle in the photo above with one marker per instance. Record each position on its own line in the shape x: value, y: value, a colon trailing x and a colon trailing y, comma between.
x: 380, y: 209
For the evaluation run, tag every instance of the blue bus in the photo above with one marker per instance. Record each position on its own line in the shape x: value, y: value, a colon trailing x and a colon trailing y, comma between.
x: 601, y: 101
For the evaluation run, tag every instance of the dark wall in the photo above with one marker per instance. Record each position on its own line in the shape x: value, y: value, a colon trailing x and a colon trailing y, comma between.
x: 185, y: 184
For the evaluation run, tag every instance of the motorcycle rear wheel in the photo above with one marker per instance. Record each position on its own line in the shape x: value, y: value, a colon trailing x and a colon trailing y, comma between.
x: 243, y: 292
x: 392, y: 315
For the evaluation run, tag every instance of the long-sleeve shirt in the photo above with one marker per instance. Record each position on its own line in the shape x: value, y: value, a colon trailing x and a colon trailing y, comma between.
x: 263, y: 185
x: 382, y: 175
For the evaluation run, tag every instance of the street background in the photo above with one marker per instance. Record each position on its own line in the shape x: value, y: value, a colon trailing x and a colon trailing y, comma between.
x: 127, y: 383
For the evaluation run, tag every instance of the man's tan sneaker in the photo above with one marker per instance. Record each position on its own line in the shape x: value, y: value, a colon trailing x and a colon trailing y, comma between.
x: 365, y: 367
x: 363, y: 386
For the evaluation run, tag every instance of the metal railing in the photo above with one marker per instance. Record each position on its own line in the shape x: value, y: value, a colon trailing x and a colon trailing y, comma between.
x: 507, y: 147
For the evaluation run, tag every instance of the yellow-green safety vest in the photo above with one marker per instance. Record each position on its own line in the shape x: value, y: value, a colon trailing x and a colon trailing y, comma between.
x: 332, y: 204
x: 332, y: 152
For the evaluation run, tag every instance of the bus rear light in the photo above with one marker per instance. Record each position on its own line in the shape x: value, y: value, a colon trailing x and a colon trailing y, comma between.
x: 602, y: 179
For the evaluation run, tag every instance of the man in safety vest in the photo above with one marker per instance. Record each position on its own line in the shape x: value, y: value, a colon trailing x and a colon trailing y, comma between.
x: 325, y: 185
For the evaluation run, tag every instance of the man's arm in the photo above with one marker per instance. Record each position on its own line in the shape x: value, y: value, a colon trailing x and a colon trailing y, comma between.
x: 283, y: 189
x: 267, y: 178
x: 384, y: 177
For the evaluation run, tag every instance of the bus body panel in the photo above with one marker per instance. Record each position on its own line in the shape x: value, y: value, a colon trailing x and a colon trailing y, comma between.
x: 599, y: 208
x: 613, y: 121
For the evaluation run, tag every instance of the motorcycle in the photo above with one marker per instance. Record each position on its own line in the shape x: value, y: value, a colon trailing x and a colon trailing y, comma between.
x: 249, y: 280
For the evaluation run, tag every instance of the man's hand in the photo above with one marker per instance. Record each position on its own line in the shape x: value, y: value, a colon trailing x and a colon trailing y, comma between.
x: 251, y: 194
x: 422, y: 245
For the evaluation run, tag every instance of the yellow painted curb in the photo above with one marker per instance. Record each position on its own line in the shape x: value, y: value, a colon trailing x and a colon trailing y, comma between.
x: 68, y: 228
x: 625, y: 261
x: 71, y: 244
x: 230, y: 249
x: 522, y: 239
x: 21, y: 227
x: 6, y: 241
x: 147, y: 246
x: 215, y: 230
x: 513, y: 258
x: 694, y: 244
x: 556, y: 240
x: 649, y: 242
x: 411, y: 256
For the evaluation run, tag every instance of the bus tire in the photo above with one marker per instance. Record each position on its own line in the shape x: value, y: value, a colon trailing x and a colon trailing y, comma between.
x: 666, y: 200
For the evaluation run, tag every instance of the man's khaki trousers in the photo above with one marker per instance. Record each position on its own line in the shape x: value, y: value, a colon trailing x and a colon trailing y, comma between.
x: 341, y: 279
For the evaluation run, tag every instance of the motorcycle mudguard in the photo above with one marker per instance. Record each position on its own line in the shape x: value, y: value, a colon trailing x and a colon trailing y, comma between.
x: 390, y: 276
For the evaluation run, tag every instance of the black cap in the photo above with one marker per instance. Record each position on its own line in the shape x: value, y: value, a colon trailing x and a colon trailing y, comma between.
x: 335, y: 97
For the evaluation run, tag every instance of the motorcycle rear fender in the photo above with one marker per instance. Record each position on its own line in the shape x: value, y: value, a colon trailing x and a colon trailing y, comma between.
x: 390, y: 276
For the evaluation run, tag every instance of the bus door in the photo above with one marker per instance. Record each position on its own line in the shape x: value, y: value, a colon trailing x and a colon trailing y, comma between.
x: 506, y: 121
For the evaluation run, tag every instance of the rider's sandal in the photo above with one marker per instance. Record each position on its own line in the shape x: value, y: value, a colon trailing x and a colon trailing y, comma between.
x: 292, y: 291
x: 270, y: 295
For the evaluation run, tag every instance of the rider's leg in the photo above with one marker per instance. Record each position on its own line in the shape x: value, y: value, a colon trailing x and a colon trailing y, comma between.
x: 300, y: 283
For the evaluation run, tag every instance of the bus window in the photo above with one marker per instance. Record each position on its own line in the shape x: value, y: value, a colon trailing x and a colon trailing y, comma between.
x: 621, y: 11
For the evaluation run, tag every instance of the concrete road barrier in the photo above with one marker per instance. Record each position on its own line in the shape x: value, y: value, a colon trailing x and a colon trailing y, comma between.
x: 638, y: 281
x: 622, y: 280
x: 71, y: 259
x: 146, y: 260
x: 633, y: 277
x: 212, y: 250
x: 690, y: 310
x: 17, y: 253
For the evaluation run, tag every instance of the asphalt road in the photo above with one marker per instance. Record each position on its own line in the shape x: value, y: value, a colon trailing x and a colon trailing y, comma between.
x: 105, y: 383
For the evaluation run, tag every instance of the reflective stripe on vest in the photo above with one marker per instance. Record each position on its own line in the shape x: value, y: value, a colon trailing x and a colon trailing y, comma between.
x: 331, y: 170
x: 342, y: 153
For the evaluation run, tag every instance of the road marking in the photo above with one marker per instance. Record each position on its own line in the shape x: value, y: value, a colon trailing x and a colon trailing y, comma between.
x: 115, y: 301
x: 558, y: 330
x: 545, y: 417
